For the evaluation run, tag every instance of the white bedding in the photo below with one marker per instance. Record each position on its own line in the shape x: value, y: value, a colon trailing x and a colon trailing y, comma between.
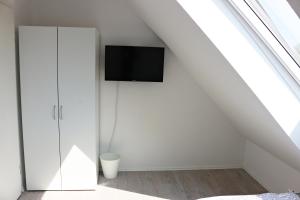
x: 266, y: 196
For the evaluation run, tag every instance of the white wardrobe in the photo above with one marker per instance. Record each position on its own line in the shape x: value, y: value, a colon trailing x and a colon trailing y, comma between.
x: 59, y: 79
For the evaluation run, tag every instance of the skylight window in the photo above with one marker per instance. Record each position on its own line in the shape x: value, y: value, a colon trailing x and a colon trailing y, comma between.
x: 256, y: 56
x: 277, y: 24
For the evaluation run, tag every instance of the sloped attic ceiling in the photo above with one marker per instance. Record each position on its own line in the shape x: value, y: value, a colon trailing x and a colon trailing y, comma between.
x: 194, y: 45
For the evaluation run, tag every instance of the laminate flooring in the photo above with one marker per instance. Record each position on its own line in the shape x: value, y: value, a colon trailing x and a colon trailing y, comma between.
x: 183, y: 185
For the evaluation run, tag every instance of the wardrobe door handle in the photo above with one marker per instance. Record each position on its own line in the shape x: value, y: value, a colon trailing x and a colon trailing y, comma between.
x: 61, y: 112
x: 54, y: 112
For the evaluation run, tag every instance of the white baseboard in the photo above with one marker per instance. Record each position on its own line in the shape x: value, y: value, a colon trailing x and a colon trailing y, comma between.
x: 200, y: 167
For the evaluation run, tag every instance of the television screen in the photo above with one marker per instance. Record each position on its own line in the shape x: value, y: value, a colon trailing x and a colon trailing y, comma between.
x: 129, y: 63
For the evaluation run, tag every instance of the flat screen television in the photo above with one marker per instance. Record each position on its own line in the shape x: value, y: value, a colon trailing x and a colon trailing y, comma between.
x: 131, y: 63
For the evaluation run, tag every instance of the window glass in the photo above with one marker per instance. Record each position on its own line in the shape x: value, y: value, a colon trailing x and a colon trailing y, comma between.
x: 282, y: 21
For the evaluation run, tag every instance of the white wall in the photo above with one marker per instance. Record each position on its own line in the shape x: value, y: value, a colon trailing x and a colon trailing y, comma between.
x: 203, y: 54
x: 10, y: 177
x: 169, y: 125
x: 271, y: 172
x: 218, y: 77
x: 22, y: 11
x: 174, y: 123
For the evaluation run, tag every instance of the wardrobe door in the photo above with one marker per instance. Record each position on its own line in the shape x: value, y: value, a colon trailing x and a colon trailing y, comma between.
x: 76, y: 72
x: 39, y: 100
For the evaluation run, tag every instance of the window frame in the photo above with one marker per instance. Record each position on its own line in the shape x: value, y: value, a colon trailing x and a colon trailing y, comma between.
x: 255, y: 17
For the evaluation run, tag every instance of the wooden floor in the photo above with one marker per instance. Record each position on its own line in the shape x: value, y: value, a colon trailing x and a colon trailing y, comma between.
x: 167, y: 185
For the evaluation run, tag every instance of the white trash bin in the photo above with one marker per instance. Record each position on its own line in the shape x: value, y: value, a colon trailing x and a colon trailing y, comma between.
x: 110, y: 164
